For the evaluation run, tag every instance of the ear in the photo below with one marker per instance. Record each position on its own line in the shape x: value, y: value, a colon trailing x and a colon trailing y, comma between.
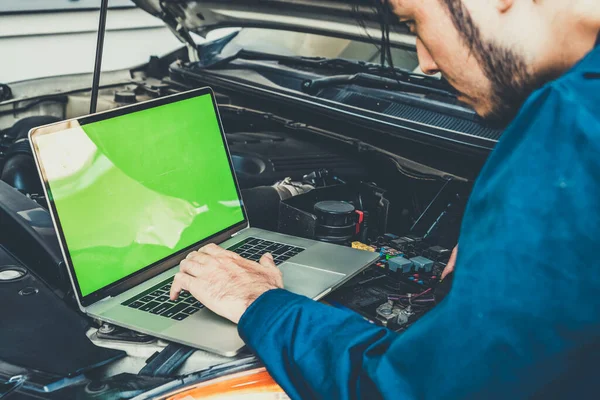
x: 504, y: 5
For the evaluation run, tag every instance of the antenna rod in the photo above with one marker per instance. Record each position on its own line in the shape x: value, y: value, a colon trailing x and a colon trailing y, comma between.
x: 99, y: 49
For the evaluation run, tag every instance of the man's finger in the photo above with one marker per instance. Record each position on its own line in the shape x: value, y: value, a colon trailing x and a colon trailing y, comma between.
x: 214, y: 250
x: 190, y: 267
x: 451, y: 263
x: 267, y: 261
x: 447, y: 271
x: 181, y: 281
x: 193, y: 266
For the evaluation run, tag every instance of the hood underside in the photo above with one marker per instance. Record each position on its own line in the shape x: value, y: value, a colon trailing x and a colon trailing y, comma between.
x: 354, y: 19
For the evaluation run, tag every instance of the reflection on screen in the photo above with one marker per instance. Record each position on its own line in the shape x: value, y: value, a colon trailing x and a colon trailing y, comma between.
x: 134, y: 189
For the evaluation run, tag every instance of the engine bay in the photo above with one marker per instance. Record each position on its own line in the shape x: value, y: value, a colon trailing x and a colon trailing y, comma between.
x: 349, y: 185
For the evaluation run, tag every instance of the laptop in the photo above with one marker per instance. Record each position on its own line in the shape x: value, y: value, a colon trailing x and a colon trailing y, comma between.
x: 133, y: 190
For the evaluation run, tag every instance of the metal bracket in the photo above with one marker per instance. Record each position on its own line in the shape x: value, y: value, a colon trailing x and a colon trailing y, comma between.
x: 175, y: 24
x: 115, y: 333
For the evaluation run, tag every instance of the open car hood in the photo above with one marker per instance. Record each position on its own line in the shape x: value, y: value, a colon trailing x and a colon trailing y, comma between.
x: 339, y: 18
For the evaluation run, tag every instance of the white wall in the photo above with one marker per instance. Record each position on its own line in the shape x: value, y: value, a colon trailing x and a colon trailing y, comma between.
x: 59, y: 43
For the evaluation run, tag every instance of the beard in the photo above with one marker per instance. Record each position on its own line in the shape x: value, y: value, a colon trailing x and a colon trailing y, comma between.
x: 512, y: 81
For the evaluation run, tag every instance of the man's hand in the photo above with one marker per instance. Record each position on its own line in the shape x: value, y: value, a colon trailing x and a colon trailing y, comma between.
x: 225, y: 282
x: 451, y: 263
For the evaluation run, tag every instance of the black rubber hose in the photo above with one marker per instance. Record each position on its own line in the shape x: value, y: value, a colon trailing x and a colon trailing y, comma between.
x: 18, y: 168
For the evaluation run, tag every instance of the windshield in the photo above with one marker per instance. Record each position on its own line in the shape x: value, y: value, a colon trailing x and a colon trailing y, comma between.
x: 286, y: 43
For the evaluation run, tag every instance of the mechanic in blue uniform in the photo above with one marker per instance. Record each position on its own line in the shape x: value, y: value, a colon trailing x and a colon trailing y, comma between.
x: 523, y: 317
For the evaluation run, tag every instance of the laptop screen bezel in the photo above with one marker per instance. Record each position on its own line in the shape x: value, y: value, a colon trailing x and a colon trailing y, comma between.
x: 165, y: 263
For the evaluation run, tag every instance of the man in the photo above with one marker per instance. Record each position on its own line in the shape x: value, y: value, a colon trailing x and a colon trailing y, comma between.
x: 523, y: 317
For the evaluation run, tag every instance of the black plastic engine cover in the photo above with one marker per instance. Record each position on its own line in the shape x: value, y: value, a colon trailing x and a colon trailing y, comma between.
x: 262, y: 158
x: 39, y: 331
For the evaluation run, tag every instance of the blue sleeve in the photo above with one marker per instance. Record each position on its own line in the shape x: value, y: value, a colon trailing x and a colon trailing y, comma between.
x: 316, y: 351
x: 523, y: 316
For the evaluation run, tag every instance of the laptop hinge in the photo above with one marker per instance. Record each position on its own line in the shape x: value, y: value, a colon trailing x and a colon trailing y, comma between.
x: 234, y: 234
x: 104, y: 299
x: 117, y: 290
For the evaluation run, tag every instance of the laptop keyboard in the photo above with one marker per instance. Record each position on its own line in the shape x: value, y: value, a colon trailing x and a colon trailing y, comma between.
x: 253, y: 248
x: 156, y: 299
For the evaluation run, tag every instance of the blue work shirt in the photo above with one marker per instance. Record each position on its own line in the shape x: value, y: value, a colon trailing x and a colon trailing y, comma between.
x: 523, y: 317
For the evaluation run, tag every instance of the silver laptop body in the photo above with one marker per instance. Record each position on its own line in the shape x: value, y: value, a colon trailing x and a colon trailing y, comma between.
x: 314, y: 272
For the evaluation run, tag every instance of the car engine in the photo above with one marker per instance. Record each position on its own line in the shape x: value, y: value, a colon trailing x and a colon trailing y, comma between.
x: 305, y: 181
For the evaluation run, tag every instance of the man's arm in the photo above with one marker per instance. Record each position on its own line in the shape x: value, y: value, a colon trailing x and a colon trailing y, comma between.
x: 316, y: 351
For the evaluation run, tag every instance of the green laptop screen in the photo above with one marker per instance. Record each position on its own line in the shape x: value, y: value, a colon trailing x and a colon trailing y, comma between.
x: 134, y: 189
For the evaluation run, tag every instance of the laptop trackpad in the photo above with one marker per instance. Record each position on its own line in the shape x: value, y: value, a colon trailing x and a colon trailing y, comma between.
x: 307, y: 281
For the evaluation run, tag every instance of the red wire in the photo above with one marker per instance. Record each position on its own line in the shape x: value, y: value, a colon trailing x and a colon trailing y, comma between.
x: 421, y: 294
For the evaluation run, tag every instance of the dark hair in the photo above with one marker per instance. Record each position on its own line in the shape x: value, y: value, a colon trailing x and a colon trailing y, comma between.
x: 383, y: 13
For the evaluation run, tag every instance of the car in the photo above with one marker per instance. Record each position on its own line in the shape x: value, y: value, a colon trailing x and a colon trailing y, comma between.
x: 316, y: 104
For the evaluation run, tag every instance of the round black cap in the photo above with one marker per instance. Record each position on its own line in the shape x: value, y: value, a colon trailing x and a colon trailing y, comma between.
x: 334, y: 207
x: 125, y: 97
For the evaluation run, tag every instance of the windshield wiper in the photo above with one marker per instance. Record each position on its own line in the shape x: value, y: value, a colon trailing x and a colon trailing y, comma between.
x: 312, y: 86
x: 351, y: 72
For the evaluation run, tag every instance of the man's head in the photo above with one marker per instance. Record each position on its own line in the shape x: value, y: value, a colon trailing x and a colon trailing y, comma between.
x: 496, y: 52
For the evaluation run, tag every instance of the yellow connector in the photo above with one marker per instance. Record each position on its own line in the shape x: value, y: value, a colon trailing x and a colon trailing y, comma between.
x: 362, y: 246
